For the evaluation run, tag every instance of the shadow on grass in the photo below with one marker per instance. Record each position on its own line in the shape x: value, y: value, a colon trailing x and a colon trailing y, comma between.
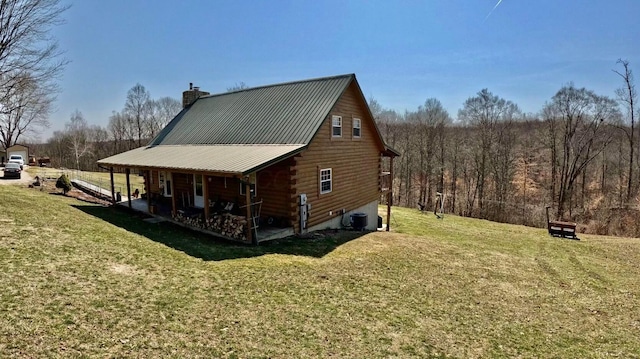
x: 210, y: 248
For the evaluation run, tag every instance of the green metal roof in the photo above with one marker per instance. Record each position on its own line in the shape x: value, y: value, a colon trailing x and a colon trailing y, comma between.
x: 288, y: 113
x: 230, y: 159
x: 243, y: 131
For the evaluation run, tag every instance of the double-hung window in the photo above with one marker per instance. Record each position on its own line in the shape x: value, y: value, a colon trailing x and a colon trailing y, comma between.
x: 356, y: 127
x: 336, y: 126
x: 325, y: 181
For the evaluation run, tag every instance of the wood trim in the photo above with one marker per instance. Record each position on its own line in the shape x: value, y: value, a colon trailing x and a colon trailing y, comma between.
x: 174, y: 205
x: 113, y: 187
x: 128, y: 172
x: 147, y: 186
x: 247, y: 194
x: 205, y: 192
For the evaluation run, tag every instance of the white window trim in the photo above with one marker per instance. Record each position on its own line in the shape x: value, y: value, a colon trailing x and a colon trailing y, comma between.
x: 162, y: 182
x: 333, y: 125
x: 330, y: 180
x: 195, y: 184
x: 359, y: 127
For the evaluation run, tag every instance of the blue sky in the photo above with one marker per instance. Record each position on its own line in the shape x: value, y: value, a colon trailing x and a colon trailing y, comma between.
x: 402, y: 52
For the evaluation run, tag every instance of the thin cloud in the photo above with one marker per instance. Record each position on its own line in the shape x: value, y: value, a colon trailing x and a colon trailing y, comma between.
x: 491, y: 12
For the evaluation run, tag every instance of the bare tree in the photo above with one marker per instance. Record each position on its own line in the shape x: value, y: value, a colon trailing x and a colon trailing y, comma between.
x: 483, y: 113
x: 78, y: 132
x: 428, y: 123
x: 29, y: 61
x: 25, y: 111
x: 137, y: 109
x: 583, y: 117
x: 117, y: 127
x: 237, y: 87
x: 161, y: 111
x: 627, y: 95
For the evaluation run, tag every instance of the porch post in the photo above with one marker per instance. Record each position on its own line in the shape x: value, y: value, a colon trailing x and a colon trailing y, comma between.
x: 205, y: 190
x: 147, y: 189
x: 390, y: 194
x: 128, y: 171
x: 113, y: 187
x: 247, y: 193
x: 174, y: 206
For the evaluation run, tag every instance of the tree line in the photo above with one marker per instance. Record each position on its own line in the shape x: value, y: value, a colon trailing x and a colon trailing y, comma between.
x: 577, y: 155
x: 80, y: 145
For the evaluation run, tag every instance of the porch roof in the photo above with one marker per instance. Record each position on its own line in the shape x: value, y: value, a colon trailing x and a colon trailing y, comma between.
x: 224, y: 159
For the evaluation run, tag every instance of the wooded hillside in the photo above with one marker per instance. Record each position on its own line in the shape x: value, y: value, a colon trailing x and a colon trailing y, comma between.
x: 494, y: 162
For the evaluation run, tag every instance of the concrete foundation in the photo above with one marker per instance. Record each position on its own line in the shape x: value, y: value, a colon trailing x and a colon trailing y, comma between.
x: 344, y: 221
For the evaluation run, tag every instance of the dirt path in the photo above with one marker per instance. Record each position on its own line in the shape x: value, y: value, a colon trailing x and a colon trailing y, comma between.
x: 25, y: 179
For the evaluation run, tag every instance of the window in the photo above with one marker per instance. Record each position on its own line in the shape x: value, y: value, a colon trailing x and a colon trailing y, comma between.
x: 252, y: 188
x: 164, y: 181
x: 198, y: 185
x: 325, y: 181
x: 336, y: 126
x: 356, y: 127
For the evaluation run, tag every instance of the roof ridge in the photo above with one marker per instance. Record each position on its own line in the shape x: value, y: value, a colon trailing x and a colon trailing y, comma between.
x: 281, y: 84
x: 227, y: 144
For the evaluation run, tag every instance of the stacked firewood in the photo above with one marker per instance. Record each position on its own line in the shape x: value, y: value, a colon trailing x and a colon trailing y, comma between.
x: 192, y: 221
x: 226, y: 224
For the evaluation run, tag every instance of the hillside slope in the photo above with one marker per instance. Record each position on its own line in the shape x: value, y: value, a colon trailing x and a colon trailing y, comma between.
x: 80, y: 279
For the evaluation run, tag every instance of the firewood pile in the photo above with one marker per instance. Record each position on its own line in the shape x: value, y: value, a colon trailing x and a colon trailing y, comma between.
x: 226, y: 224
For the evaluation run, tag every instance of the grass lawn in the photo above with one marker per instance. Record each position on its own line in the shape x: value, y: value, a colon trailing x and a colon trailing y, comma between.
x: 83, y: 280
x: 101, y: 179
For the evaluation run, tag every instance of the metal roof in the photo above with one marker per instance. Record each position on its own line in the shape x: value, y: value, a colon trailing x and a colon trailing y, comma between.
x: 230, y: 159
x: 243, y: 131
x: 288, y: 113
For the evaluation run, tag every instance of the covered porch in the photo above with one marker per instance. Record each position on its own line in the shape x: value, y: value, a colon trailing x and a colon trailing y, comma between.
x: 193, y: 219
x: 213, y: 188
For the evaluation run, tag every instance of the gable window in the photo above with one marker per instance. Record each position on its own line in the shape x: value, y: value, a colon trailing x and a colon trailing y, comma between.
x: 356, y: 127
x: 336, y: 126
x: 325, y: 181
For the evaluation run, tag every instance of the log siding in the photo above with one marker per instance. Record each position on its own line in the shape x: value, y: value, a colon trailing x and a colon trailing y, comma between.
x: 354, y: 163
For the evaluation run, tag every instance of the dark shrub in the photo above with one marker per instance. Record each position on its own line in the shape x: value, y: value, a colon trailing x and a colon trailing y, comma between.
x: 64, y: 183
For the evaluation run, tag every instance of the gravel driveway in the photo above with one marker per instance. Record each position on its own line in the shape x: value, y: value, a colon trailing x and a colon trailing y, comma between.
x: 26, y: 178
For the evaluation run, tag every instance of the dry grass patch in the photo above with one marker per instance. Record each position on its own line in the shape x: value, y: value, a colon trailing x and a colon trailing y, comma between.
x: 84, y: 280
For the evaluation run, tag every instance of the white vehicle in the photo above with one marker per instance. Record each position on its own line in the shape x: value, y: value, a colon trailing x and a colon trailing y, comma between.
x: 17, y: 159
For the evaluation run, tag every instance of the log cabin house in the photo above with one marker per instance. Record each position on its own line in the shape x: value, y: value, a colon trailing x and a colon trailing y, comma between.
x: 299, y: 156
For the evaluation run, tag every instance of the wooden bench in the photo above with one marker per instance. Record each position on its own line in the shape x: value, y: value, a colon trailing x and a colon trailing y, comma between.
x: 561, y: 229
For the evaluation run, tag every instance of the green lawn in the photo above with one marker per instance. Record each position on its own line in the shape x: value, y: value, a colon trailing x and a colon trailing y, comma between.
x: 83, y: 280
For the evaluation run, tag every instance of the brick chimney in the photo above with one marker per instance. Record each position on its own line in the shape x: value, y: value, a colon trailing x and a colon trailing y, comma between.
x: 191, y: 95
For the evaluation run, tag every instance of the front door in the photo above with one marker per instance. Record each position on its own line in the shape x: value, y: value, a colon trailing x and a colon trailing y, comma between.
x: 198, y: 195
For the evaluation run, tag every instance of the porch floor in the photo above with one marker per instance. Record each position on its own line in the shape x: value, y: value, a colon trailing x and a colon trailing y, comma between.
x: 264, y: 233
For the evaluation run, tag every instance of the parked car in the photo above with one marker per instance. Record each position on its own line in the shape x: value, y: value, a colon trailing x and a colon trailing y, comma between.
x: 17, y: 159
x: 12, y: 170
